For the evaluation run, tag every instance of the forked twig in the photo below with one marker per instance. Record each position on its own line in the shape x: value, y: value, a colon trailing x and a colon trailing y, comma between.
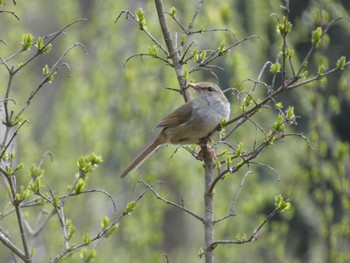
x: 181, y: 207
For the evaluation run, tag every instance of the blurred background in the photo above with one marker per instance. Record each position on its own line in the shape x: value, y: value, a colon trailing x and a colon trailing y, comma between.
x: 110, y: 108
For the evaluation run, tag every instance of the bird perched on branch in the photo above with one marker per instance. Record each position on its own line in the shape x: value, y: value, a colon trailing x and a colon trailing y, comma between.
x: 189, y: 123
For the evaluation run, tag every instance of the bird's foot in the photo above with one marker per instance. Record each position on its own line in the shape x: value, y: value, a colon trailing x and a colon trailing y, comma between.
x: 205, y: 144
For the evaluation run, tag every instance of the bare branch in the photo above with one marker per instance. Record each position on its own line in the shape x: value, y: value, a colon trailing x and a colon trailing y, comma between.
x: 7, y: 242
x: 70, y: 250
x: 181, y: 207
x: 47, y: 153
x: 141, y: 55
x: 233, y: 209
x: 317, y: 77
x: 199, y: 6
x: 269, y: 167
x: 10, y: 12
x: 253, y: 237
x: 45, y: 80
x: 142, y: 28
x: 173, y: 52
x: 58, y: 61
x: 4, y: 149
x: 209, y: 30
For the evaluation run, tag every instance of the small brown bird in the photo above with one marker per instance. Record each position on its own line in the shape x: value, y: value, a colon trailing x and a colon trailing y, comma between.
x: 189, y: 123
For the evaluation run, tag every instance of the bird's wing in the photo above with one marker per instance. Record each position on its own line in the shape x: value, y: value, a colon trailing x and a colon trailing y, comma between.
x: 178, y: 117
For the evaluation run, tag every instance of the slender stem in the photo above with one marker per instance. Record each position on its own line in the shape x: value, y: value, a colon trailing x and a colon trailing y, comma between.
x: 9, y: 83
x: 173, y: 53
x: 208, y: 206
x: 20, y: 218
x: 199, y: 6
x: 7, y: 242
x: 182, y: 207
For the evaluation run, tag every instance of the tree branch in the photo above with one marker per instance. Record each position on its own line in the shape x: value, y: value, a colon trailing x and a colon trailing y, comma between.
x: 181, y: 207
x: 173, y: 52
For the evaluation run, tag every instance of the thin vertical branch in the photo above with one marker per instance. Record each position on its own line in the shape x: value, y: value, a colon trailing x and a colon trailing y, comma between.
x: 195, y: 14
x: 9, y: 83
x: 208, y: 205
x: 173, y: 52
x: 208, y: 160
x: 7, y: 242
x: 20, y: 219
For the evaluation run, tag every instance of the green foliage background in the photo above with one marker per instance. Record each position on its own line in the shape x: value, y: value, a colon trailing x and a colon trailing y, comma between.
x: 110, y: 108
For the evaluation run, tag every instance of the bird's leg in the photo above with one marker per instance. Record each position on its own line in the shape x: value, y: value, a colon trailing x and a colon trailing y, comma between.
x: 205, y: 144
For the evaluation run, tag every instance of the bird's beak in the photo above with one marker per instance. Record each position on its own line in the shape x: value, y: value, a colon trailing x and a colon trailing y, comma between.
x: 194, y: 86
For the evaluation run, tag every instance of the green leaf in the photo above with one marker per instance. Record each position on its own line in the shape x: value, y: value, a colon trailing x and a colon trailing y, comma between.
x: 112, y: 230
x: 47, y: 49
x: 35, y: 172
x: 284, y: 27
x: 275, y: 68
x: 153, y: 51
x: 202, y: 56
x: 41, y: 47
x: 194, y: 52
x: 278, y: 125
x: 279, y: 105
x: 56, y: 202
x: 18, y: 197
x: 228, y: 159
x: 70, y: 228
x: 173, y: 12
x: 80, y: 186
x: 222, y: 49
x: 87, y: 239
x: 35, y: 185
x: 316, y: 36
x: 239, y: 149
x: 247, y: 101
x: 39, y: 43
x: 15, y: 121
x: 222, y: 46
x: 321, y: 69
x: 304, y: 74
x: 88, y: 255
x: 200, y: 251
x: 281, y: 204
x: 27, y: 41
x: 24, y: 193
x: 9, y: 170
x: 290, y: 115
x: 46, y: 70
x: 140, y: 17
x: 223, y: 122
x: 105, y: 222
x: 186, y: 74
x: 269, y: 138
x: 84, y: 165
x: 183, y: 38
x: 130, y: 207
x: 51, y: 77
x: 217, y: 164
x: 341, y: 63
x: 95, y: 159
x: 289, y: 52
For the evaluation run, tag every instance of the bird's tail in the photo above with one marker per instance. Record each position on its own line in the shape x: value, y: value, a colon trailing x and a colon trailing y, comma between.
x: 142, y: 157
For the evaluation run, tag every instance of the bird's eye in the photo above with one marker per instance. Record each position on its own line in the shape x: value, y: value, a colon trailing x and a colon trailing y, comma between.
x: 210, y: 89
